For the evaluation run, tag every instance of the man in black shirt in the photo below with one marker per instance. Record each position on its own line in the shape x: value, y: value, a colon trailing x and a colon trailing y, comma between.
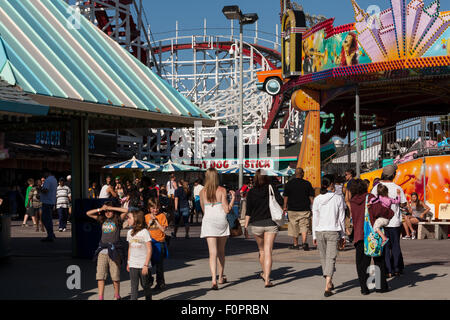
x: 298, y: 198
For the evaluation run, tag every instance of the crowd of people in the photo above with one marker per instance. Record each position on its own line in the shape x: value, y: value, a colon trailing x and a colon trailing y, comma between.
x: 334, y: 217
x: 178, y: 199
x: 147, y: 209
x: 42, y: 197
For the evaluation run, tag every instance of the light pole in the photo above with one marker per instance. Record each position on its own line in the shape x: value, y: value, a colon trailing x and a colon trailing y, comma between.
x: 358, y: 136
x: 234, y: 13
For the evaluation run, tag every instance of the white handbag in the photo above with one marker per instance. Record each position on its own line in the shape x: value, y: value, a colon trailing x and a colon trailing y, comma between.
x: 275, y: 209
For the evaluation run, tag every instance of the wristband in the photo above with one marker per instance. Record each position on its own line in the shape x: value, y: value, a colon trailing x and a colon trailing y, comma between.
x: 98, y: 210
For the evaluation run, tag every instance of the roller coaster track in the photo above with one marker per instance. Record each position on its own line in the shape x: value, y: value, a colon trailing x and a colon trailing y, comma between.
x: 122, y: 26
x: 272, y: 56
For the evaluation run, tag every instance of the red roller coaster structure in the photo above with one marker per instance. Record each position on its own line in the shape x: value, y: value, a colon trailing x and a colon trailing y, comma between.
x: 121, y: 25
x: 272, y: 56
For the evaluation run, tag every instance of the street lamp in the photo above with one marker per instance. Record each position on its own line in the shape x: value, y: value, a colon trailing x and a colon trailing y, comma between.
x: 234, y: 13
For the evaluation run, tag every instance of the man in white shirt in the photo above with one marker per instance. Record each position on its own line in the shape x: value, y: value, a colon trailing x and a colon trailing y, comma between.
x: 171, y: 186
x: 107, y: 190
x: 393, y: 255
x: 63, y: 200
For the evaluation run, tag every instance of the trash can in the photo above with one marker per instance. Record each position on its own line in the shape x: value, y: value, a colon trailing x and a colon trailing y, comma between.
x: 5, y: 236
x: 86, y: 232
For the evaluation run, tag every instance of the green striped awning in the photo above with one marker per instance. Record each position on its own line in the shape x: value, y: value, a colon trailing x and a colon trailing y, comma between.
x: 45, y: 52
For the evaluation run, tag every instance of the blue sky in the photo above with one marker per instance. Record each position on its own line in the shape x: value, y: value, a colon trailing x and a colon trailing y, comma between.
x: 162, y: 15
x: 190, y: 14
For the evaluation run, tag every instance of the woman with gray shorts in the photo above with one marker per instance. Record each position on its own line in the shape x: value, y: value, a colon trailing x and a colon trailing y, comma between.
x: 259, y: 221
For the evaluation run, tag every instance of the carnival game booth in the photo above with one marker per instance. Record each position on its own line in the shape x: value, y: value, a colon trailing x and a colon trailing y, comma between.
x: 369, y: 74
x: 75, y: 78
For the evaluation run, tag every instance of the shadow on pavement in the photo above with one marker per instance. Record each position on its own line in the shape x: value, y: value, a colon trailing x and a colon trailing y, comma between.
x: 197, y: 248
x: 409, y: 278
x: 280, y: 276
x: 348, y: 285
x: 188, y: 295
x: 288, y: 274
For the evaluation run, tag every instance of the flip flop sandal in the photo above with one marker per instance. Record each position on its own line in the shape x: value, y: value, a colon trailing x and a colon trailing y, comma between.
x: 269, y: 285
x: 224, y: 280
x: 328, y: 294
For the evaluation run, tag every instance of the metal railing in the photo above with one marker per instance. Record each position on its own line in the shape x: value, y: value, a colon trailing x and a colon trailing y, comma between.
x: 406, y: 141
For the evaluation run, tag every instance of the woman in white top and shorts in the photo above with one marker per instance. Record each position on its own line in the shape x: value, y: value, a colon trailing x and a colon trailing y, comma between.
x: 215, y: 227
x: 328, y: 229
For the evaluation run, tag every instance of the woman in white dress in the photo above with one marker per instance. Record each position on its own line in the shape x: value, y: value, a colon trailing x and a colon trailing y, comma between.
x: 215, y: 228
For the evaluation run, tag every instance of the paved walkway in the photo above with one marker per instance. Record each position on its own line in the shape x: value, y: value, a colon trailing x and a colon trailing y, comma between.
x: 39, y: 271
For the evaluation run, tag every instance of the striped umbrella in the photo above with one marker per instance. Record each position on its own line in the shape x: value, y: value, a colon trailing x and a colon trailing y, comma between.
x: 274, y: 173
x: 235, y: 169
x: 133, y: 163
x: 170, y: 166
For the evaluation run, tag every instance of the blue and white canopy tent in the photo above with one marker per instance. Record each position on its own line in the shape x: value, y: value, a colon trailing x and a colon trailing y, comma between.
x: 251, y: 172
x: 274, y: 173
x: 235, y: 170
x: 133, y: 163
x: 170, y: 166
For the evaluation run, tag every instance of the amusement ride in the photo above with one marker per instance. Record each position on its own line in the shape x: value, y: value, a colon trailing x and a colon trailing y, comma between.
x: 315, y: 79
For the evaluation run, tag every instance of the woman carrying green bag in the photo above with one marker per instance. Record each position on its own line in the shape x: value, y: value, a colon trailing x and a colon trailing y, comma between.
x: 359, y: 199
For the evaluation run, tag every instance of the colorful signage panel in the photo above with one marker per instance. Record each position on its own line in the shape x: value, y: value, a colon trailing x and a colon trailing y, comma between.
x: 340, y: 50
x: 406, y: 30
x: 221, y: 164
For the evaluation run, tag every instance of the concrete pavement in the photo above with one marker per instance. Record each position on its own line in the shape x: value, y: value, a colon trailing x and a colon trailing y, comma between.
x: 39, y: 271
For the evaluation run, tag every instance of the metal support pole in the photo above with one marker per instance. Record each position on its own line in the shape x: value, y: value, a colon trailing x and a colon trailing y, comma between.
x: 80, y: 172
x: 358, y: 136
x: 423, y: 126
x: 241, y: 112
x: 349, y: 150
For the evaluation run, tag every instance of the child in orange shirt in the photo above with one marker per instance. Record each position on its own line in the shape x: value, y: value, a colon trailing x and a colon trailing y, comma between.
x: 157, y: 225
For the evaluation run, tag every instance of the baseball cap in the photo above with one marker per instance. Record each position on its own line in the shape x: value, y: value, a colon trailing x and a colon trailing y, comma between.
x: 390, y: 169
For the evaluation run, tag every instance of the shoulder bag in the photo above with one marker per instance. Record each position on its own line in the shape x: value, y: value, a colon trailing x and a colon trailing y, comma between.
x: 276, y: 211
x: 372, y: 240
